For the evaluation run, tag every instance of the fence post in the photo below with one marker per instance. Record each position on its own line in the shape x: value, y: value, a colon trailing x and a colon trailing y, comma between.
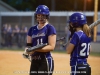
x: 95, y: 18
x: 0, y: 29
x: 32, y: 18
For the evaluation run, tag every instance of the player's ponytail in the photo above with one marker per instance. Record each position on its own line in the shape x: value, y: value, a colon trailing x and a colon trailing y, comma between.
x: 86, y: 30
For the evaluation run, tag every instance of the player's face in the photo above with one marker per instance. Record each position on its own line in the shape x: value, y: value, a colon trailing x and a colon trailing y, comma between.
x: 41, y: 18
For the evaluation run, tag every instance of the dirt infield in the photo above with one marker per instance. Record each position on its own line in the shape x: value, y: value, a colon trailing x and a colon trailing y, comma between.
x: 12, y: 63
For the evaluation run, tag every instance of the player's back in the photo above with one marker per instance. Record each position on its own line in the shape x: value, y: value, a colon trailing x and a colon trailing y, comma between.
x: 82, y: 48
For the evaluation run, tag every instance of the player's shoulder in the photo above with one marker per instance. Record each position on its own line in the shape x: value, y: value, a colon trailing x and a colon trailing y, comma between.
x: 34, y: 26
x: 78, y: 33
x: 50, y: 25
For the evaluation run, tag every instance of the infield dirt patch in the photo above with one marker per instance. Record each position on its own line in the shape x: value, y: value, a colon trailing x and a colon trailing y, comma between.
x: 12, y: 63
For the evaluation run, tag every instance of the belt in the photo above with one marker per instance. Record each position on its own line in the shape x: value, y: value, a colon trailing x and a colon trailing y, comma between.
x: 38, y: 57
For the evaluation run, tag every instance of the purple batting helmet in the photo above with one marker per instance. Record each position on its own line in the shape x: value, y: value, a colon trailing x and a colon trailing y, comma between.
x: 42, y: 9
x: 78, y: 19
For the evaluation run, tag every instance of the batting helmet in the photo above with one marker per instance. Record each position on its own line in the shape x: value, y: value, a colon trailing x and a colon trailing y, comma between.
x: 42, y: 9
x: 78, y: 19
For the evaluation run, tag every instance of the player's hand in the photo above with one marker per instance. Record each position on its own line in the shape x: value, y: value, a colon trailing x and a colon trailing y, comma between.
x: 27, y: 56
x: 26, y: 52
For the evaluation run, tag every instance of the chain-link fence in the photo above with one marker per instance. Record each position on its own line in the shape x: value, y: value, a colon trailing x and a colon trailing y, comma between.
x: 14, y: 27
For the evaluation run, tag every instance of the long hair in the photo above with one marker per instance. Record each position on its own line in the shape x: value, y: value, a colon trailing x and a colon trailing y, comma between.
x: 86, y: 30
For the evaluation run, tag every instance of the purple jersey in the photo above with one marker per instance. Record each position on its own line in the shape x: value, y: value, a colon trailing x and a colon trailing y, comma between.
x: 82, y: 48
x: 40, y: 36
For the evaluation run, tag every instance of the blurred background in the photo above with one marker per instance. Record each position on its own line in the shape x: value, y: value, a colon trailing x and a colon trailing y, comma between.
x: 17, y: 16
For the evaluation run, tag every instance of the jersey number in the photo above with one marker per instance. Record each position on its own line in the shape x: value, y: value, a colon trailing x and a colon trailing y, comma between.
x: 82, y: 52
x: 39, y: 41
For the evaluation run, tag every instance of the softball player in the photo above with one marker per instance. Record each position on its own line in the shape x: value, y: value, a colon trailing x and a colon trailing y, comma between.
x: 79, y: 46
x: 42, y: 62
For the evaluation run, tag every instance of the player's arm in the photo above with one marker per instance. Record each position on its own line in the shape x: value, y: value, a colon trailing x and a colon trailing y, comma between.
x: 28, y: 43
x: 73, y: 41
x: 70, y: 48
x: 51, y: 44
x: 29, y: 39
